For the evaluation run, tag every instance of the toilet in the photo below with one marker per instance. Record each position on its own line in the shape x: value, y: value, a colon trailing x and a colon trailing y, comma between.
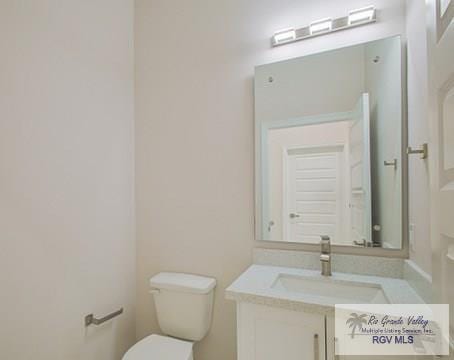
x: 184, y: 306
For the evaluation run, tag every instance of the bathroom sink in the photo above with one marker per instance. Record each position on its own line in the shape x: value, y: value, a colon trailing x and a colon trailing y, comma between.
x: 331, y: 290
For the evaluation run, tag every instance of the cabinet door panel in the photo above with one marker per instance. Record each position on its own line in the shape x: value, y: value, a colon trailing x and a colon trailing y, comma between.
x: 330, y: 348
x: 267, y: 333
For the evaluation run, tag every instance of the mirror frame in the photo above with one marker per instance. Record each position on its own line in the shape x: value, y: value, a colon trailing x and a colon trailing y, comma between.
x: 403, y: 252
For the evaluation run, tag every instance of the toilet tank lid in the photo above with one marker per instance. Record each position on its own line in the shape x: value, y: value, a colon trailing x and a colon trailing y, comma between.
x: 183, y: 282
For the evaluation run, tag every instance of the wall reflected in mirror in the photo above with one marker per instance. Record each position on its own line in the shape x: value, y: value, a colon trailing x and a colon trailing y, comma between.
x: 329, y: 147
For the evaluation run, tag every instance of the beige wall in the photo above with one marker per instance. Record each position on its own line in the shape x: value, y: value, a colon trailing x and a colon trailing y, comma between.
x: 418, y: 133
x: 66, y: 178
x: 66, y: 158
x: 194, y: 134
x: 194, y: 175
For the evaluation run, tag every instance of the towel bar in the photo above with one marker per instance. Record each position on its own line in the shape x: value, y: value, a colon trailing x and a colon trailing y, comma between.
x: 91, y: 320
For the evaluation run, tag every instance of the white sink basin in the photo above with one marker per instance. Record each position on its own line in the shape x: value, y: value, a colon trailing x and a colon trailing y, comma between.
x: 330, y: 290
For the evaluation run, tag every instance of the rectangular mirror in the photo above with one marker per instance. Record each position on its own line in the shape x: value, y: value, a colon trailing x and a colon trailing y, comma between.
x: 329, y: 147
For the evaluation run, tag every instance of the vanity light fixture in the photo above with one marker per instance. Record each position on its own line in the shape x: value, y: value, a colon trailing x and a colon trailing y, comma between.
x: 361, y: 15
x: 321, y: 26
x: 358, y: 17
x: 284, y: 36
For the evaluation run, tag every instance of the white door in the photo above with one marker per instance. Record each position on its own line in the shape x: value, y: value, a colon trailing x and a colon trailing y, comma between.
x: 360, y: 192
x: 267, y: 333
x: 313, y: 194
x: 440, y: 36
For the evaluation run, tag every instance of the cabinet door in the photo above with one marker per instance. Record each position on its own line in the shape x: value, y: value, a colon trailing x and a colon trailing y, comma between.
x: 267, y: 333
x: 331, y: 344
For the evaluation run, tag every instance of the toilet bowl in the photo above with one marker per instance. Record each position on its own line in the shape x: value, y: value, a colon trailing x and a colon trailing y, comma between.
x: 184, y: 306
x: 157, y: 347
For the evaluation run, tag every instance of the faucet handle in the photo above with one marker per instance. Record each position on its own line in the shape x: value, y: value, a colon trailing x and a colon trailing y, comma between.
x: 325, y: 244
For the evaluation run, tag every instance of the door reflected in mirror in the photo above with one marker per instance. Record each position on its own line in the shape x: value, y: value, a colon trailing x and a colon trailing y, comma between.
x: 329, y: 147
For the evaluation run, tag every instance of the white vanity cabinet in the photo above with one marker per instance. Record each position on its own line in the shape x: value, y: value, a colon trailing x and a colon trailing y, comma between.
x: 271, y: 333
x: 330, y: 348
x: 288, y: 313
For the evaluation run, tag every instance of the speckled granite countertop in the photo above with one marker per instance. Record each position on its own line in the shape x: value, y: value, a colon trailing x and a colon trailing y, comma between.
x: 255, y: 286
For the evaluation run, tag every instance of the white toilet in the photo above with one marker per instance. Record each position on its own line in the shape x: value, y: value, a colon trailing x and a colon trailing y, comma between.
x: 184, y: 305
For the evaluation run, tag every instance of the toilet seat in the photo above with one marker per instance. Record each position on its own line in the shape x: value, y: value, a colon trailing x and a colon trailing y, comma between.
x: 156, y: 347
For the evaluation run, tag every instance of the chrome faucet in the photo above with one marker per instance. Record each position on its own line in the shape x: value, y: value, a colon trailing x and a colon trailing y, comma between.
x: 325, y: 255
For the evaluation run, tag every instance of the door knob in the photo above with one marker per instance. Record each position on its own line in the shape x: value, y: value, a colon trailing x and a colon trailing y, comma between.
x: 293, y: 216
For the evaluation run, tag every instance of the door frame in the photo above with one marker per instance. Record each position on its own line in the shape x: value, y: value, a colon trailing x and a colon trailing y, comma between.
x: 441, y: 80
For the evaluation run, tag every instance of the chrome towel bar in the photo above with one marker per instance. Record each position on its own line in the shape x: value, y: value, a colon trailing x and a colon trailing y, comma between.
x: 91, y: 320
x: 423, y: 151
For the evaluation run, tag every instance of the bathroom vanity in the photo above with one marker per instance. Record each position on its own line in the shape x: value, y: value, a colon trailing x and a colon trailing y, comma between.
x: 331, y: 172
x: 286, y: 310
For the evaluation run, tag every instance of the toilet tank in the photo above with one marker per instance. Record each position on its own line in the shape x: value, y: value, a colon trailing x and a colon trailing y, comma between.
x: 184, y: 304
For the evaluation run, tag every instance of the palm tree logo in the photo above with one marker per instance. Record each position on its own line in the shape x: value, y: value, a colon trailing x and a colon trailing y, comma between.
x: 355, y: 321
